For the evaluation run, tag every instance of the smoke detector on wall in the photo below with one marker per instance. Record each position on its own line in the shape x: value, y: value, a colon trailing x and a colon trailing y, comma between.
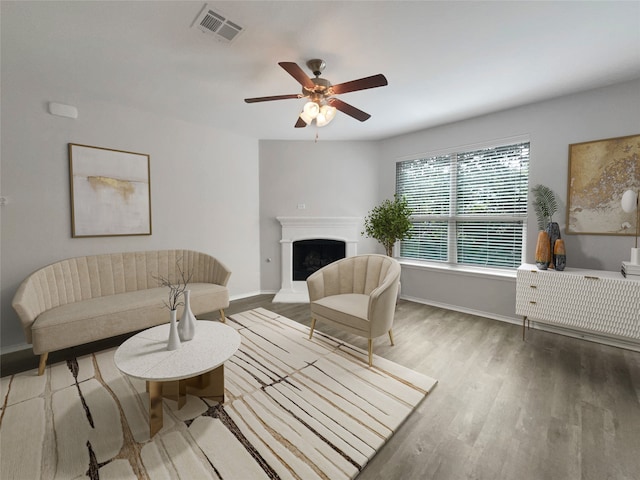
x: 217, y: 24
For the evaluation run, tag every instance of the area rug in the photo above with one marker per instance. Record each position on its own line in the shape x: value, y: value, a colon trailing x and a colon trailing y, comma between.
x: 294, y: 409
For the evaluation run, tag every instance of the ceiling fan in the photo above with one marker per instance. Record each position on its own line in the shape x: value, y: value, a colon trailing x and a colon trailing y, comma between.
x: 322, y: 105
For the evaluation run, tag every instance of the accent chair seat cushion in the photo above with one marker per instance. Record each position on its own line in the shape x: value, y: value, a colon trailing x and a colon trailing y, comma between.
x: 347, y: 311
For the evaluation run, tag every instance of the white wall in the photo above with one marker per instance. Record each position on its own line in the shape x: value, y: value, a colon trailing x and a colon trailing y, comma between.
x: 552, y: 125
x: 332, y: 179
x: 204, y: 187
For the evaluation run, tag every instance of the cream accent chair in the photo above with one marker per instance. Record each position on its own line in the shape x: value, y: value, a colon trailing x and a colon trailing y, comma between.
x: 356, y: 294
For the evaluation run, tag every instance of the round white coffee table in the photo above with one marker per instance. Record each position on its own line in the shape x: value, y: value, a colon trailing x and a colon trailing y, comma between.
x: 197, y: 367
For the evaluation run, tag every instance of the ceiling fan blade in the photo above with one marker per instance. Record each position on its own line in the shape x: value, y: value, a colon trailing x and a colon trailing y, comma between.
x: 360, y: 84
x: 268, y: 99
x: 349, y: 109
x: 296, y: 72
x: 300, y: 123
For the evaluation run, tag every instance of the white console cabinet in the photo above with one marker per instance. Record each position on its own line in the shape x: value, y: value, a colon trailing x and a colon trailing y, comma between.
x: 593, y: 302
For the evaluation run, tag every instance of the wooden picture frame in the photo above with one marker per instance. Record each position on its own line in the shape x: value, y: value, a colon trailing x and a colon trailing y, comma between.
x: 110, y: 192
x: 600, y: 171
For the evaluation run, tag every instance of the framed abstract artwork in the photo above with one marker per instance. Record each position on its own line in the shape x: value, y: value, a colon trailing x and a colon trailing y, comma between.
x: 110, y: 192
x: 600, y: 172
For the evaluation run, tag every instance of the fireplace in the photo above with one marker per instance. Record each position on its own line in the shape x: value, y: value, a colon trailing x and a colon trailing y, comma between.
x: 312, y: 255
x: 321, y: 241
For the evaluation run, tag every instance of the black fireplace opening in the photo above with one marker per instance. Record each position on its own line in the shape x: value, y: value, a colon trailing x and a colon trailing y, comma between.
x: 312, y: 255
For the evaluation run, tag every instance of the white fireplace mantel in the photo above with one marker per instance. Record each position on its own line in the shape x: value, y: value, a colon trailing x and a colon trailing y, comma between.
x: 307, y: 228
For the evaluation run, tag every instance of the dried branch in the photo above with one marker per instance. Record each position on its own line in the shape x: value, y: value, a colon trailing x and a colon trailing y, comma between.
x: 175, y: 289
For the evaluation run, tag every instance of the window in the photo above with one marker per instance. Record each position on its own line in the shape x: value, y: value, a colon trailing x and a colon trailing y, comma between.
x: 469, y: 207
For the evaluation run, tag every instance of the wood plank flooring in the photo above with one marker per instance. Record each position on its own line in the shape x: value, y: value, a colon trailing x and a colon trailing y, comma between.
x: 552, y: 407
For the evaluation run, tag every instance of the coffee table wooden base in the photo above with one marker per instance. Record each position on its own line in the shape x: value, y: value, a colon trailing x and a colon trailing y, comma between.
x: 196, y: 368
x: 208, y: 385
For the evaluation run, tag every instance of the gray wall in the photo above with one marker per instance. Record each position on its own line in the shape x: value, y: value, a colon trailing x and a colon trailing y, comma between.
x: 341, y: 178
x: 219, y: 192
x: 204, y: 188
x: 552, y: 125
x: 332, y: 179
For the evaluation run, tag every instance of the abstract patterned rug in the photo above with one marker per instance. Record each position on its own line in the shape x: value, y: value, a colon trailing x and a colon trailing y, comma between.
x: 294, y: 409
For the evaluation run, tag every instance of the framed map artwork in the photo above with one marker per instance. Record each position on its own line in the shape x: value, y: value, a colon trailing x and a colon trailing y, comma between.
x: 600, y: 171
x: 110, y: 192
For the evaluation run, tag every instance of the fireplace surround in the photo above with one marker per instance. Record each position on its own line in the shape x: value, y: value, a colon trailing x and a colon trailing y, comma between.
x: 295, y: 229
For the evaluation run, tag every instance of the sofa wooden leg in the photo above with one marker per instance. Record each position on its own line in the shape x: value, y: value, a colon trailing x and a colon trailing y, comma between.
x: 371, y: 352
x: 43, y: 363
x: 313, y: 326
x: 223, y: 319
x: 391, y: 337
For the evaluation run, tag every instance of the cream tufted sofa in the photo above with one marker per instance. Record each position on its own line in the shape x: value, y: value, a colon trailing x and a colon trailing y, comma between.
x: 84, y: 299
x: 356, y: 294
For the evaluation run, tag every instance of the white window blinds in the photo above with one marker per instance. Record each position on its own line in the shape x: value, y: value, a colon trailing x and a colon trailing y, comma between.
x: 469, y: 207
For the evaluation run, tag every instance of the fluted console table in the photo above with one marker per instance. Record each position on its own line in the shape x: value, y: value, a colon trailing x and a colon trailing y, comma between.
x: 597, y: 302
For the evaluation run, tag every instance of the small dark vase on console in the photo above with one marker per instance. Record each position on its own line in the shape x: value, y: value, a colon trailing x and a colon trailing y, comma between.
x: 553, y: 230
x: 559, y: 255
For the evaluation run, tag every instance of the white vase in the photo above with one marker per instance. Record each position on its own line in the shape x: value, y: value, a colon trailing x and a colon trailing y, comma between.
x: 174, y: 338
x: 187, y: 325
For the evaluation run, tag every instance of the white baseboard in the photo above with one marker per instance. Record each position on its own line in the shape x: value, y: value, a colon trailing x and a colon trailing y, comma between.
x: 470, y: 311
x: 245, y: 295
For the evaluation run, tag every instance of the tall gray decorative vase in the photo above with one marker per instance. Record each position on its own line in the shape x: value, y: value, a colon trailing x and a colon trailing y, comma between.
x: 553, y: 230
x: 187, y: 325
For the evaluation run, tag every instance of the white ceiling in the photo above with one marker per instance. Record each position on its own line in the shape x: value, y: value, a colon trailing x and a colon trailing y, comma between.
x: 444, y: 61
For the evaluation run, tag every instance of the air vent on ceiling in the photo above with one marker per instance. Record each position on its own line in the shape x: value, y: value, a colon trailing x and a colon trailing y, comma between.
x: 217, y: 24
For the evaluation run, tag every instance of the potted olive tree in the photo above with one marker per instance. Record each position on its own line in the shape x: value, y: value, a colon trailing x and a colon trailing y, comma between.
x: 389, y: 222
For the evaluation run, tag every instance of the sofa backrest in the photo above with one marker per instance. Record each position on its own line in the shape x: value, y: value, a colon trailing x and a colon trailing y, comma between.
x: 83, y: 278
x: 359, y: 274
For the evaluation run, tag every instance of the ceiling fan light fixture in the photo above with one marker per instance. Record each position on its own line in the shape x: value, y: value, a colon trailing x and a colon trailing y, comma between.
x: 325, y: 116
x: 311, y: 109
x: 306, y: 118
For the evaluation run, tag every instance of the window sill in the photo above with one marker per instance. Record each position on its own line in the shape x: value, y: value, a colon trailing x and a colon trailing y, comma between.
x: 466, y: 270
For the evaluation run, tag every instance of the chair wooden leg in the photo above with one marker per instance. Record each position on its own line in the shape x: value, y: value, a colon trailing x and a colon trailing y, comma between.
x: 223, y: 319
x: 43, y: 363
x: 391, y: 337
x: 371, y: 352
x: 313, y: 326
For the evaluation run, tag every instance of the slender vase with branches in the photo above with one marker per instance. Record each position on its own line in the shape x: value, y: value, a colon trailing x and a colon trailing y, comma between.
x: 176, y: 290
